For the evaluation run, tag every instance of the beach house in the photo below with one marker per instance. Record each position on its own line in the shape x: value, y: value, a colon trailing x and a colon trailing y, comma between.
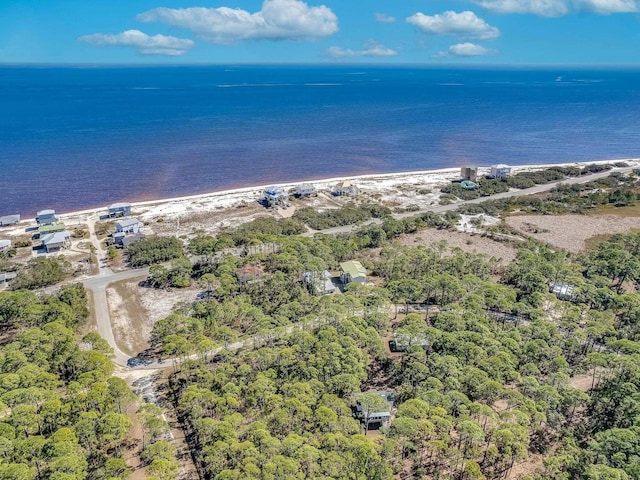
x: 352, y: 271
x: 402, y: 341
x: 119, y: 210
x: 46, y: 229
x: 129, y: 239
x: 469, y: 173
x: 129, y: 225
x: 377, y: 414
x: 564, y: 291
x: 7, y: 220
x: 118, y: 237
x: 319, y: 283
x: 6, y: 277
x: 345, y: 188
x: 305, y: 190
x: 500, y: 171
x: 275, y: 196
x: 250, y: 273
x: 52, y: 242
x: 46, y: 217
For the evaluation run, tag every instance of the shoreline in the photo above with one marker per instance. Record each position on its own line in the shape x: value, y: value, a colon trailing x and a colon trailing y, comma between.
x: 226, y: 198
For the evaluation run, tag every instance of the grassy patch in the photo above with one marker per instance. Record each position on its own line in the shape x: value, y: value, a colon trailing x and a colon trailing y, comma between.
x: 92, y: 324
x: 628, y: 211
x: 592, y: 243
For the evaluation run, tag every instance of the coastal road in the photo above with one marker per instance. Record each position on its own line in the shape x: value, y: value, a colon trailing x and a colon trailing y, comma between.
x: 98, y: 286
x: 520, y: 193
x: 453, y: 206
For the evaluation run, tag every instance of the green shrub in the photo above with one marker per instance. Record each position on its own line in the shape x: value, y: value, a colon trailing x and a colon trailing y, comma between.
x: 41, y: 272
x: 150, y: 250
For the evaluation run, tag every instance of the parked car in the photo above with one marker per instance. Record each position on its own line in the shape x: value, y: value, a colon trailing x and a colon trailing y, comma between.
x: 137, y: 361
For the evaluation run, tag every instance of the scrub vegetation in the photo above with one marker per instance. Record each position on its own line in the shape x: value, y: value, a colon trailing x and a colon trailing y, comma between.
x: 492, y: 391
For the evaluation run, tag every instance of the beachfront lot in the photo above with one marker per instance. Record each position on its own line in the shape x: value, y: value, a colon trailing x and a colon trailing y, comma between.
x: 209, y: 213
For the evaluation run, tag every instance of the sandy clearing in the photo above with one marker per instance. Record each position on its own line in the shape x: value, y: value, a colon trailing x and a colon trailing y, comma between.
x: 159, y: 303
x: 472, y: 243
x: 127, y: 317
x: 135, y: 309
x: 570, y: 231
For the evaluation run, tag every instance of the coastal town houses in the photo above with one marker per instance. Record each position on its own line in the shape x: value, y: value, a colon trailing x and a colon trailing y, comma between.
x: 469, y: 173
x: 50, y: 228
x: 345, y: 188
x: 500, y: 171
x: 6, y: 277
x: 129, y: 225
x: 352, y: 271
x: 319, y: 283
x: 122, y: 239
x: 46, y: 217
x: 275, y: 196
x: 7, y: 220
x: 564, y: 291
x: 129, y: 239
x: 403, y: 341
x: 119, y: 210
x: 250, y: 273
x: 305, y: 190
x: 375, y: 414
x: 53, y: 242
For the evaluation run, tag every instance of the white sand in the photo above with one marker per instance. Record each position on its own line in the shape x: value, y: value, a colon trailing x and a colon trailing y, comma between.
x: 399, y: 188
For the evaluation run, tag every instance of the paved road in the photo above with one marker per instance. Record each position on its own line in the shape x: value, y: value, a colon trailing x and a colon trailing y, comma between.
x: 453, y: 206
x: 98, y: 284
x: 521, y: 193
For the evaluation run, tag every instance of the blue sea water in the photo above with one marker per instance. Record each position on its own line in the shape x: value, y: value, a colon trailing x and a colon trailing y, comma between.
x: 73, y: 138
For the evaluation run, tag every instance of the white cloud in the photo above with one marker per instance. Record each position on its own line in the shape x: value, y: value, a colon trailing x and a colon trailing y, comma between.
x: 277, y: 20
x: 606, y: 7
x: 145, y: 44
x: 558, y: 8
x: 464, y: 24
x: 465, y: 50
x: 384, y: 18
x: 371, y: 49
x: 544, y: 8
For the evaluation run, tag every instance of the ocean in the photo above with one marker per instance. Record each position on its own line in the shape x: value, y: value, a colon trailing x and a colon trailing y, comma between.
x: 83, y: 137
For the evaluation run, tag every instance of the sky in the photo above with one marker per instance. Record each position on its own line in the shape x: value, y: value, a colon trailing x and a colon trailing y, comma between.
x: 429, y: 32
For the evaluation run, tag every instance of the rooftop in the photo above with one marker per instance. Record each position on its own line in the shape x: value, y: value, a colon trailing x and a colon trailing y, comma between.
x: 129, y: 239
x: 57, y: 237
x: 56, y: 227
x: 250, y: 270
x: 10, y: 218
x: 273, y: 190
x: 46, y: 212
x: 127, y: 222
x: 388, y: 396
x: 353, y: 268
x: 562, y: 289
x: 116, y: 206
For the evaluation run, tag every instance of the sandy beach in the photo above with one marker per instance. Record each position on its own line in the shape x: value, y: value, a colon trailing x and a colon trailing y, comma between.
x: 211, y: 211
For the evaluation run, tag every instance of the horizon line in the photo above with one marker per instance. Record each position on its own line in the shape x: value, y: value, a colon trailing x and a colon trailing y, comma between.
x: 487, y: 66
